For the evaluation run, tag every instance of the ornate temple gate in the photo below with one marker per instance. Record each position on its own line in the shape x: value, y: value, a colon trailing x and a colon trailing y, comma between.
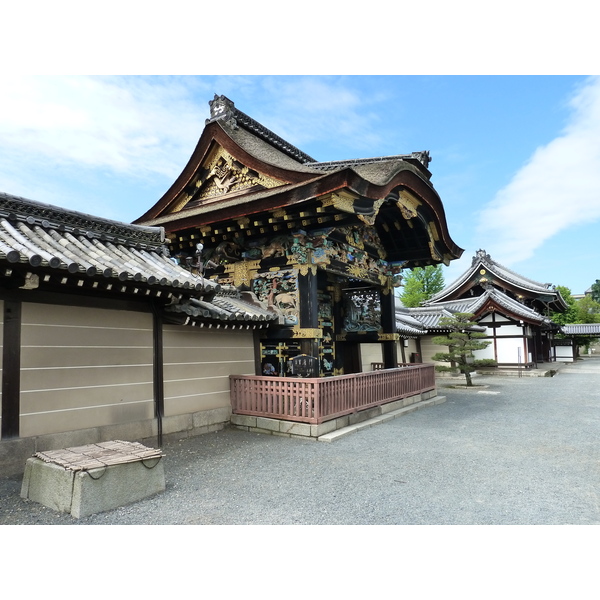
x: 319, y: 244
x: 331, y: 290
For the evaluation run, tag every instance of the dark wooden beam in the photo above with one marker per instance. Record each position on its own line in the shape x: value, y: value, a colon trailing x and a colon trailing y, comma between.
x: 11, y: 370
x: 158, y: 372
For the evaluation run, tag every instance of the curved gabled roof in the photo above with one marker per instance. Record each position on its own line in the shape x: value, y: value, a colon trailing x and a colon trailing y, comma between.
x: 491, y: 300
x: 240, y: 168
x: 485, y: 270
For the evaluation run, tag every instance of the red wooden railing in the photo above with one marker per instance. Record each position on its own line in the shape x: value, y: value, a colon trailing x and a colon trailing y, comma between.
x: 320, y: 399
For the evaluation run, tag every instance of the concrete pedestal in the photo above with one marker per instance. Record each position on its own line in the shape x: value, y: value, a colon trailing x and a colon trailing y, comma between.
x: 83, y: 493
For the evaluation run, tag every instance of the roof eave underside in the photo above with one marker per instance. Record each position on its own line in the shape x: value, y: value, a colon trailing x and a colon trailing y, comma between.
x: 299, y: 193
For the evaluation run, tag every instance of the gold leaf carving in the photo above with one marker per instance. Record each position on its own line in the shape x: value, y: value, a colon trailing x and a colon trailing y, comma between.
x: 306, y: 333
x: 343, y: 201
x: 388, y: 337
x: 371, y: 220
x: 433, y: 251
x: 407, y: 204
x: 304, y: 269
x: 243, y: 271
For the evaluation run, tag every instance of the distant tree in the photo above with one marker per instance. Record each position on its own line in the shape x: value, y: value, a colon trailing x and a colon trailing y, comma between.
x: 421, y: 284
x: 570, y: 315
x: 596, y: 291
x: 588, y: 310
x: 585, y: 310
x: 462, y: 341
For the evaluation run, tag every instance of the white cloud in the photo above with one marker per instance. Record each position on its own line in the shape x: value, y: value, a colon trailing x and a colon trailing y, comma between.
x: 133, y: 126
x: 558, y: 188
x: 113, y: 143
x: 144, y: 126
x: 326, y: 110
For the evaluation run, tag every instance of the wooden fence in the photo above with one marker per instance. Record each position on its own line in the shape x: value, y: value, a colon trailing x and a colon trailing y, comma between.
x: 316, y: 400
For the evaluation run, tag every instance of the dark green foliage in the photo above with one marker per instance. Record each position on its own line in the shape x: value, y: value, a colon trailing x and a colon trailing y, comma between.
x: 485, y: 362
x: 596, y: 291
x: 588, y: 310
x: 570, y: 315
x: 462, y: 341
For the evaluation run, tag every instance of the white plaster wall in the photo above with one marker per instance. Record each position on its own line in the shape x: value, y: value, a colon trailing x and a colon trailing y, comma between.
x: 510, y: 330
x: 485, y: 353
x: 564, y: 352
x: 508, y: 350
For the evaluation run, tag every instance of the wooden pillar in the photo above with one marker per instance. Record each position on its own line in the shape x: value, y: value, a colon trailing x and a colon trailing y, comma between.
x: 11, y: 370
x: 388, y: 326
x: 338, y: 322
x: 158, y: 368
x: 309, y: 309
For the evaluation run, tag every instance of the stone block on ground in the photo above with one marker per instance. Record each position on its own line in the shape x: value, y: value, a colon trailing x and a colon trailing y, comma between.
x: 89, y: 490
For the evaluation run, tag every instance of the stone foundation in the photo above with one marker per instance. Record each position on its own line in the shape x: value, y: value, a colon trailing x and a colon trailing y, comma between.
x: 308, y: 431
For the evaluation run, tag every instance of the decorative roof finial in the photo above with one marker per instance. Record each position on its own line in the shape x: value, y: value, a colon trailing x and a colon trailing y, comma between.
x: 222, y: 108
x: 423, y: 157
x: 481, y: 255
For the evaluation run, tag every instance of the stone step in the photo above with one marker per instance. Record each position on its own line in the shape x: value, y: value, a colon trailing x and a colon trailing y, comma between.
x: 337, y: 434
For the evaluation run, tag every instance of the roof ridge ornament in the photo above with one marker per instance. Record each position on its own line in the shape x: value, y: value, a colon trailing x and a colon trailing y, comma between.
x: 481, y: 255
x: 423, y: 157
x: 222, y: 109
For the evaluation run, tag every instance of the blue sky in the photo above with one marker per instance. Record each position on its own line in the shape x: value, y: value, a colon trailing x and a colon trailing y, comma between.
x: 516, y: 159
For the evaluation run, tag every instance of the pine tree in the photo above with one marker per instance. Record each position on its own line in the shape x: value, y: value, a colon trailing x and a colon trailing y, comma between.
x: 462, y: 341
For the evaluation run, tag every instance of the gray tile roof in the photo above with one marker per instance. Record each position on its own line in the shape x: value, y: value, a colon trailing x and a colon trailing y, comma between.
x: 223, y: 109
x: 581, y: 329
x: 261, y: 142
x: 474, y: 304
x: 50, y: 239
x: 407, y: 325
x: 429, y: 315
x: 41, y: 241
x: 483, y: 260
x: 226, y: 307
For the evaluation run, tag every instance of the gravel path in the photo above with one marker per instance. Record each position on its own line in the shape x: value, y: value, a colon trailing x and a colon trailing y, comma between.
x: 522, y: 451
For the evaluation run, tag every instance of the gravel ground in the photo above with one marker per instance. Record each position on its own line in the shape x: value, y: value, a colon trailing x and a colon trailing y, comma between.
x: 521, y: 451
